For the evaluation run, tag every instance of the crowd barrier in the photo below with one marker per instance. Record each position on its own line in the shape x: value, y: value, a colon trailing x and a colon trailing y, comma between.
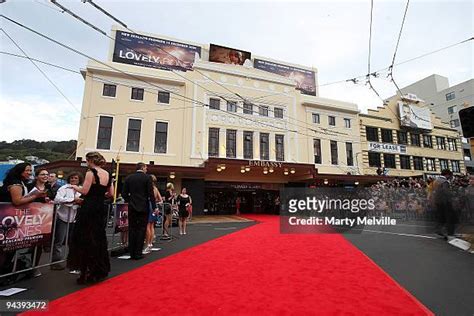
x: 28, y: 236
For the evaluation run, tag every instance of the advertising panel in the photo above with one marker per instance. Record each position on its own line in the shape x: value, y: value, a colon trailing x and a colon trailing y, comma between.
x: 146, y: 51
x: 25, y: 226
x: 414, y: 116
x: 225, y: 55
x: 305, y: 79
x: 121, y: 218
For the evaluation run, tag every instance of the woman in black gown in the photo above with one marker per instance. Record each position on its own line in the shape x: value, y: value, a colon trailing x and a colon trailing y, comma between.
x: 88, y: 251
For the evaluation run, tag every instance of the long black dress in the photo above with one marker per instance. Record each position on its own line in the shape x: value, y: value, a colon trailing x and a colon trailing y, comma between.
x: 88, y: 250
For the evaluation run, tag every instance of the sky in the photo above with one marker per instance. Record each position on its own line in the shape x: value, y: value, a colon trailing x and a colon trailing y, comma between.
x: 331, y: 36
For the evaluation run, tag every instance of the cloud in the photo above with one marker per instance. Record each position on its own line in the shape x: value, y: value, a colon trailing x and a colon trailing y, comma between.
x: 33, y: 118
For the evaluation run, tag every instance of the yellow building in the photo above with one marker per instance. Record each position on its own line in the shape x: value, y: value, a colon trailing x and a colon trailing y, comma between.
x: 408, y: 140
x: 215, y: 119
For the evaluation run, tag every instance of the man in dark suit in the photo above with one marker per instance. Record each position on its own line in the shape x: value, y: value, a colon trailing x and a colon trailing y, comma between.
x: 138, y: 193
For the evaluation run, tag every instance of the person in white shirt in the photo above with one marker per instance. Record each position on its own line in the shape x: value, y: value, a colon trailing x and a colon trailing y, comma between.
x: 68, y: 201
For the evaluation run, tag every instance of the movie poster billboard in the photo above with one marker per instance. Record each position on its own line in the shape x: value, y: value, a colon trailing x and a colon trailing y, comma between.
x: 414, y: 116
x: 121, y: 218
x: 146, y: 51
x: 305, y: 79
x: 25, y: 226
x: 225, y: 55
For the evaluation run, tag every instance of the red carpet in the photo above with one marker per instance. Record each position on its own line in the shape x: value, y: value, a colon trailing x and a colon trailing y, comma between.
x: 255, y: 271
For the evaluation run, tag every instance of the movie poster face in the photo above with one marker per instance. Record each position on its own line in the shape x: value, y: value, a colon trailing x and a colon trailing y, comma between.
x: 25, y: 226
x: 146, y: 51
x: 121, y: 217
x: 225, y: 55
x: 305, y: 79
x: 414, y: 116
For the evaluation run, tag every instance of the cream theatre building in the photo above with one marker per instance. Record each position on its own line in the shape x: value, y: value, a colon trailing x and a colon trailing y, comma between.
x: 217, y: 120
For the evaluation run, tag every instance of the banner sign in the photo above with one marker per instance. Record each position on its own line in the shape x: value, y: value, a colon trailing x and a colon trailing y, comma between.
x: 387, y: 148
x: 225, y: 55
x: 414, y: 116
x: 146, y: 51
x: 305, y: 79
x: 121, y: 217
x: 25, y: 226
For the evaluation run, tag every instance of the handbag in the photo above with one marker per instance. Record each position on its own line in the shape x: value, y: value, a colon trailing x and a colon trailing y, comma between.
x: 189, y: 208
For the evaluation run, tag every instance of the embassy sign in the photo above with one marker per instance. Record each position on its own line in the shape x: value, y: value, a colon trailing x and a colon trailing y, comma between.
x: 387, y: 148
x: 260, y: 163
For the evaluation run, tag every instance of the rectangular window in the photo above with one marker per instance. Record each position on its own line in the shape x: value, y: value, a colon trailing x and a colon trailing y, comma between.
x: 315, y: 118
x: 264, y: 146
x: 427, y: 141
x: 347, y: 123
x: 263, y: 110
x: 109, y: 90
x: 405, y: 162
x: 137, y: 94
x: 452, y: 144
x: 443, y: 164
x: 452, y: 109
x: 280, y: 147
x: 248, y: 108
x: 387, y: 135
x: 455, y: 166
x: 317, y: 151
x: 231, y: 106
x: 133, y: 135
x: 450, y: 96
x: 161, y: 137
x: 333, y: 152
x: 213, y: 145
x: 441, y: 143
x: 389, y: 161
x: 372, y: 133
x: 231, y: 143
x: 248, y: 145
x: 278, y: 112
x: 402, y: 137
x: 430, y: 164
x: 332, y: 120
x: 349, y: 154
x: 467, y: 154
x: 215, y: 104
x: 163, y: 97
x: 104, y: 134
x: 415, y: 139
x: 374, y: 160
x: 418, y: 163
x: 454, y: 123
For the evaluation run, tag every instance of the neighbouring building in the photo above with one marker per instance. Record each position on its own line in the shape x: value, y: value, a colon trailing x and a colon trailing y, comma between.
x: 217, y: 120
x: 406, y: 137
x: 446, y: 101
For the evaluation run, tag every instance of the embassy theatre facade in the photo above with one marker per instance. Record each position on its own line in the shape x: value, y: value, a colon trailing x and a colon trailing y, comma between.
x: 229, y: 126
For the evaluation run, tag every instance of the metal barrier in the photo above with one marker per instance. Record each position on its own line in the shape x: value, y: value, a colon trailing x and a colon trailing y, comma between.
x: 29, y: 230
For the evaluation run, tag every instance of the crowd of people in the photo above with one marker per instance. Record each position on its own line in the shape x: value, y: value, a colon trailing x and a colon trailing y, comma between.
x: 81, y: 217
x: 446, y: 199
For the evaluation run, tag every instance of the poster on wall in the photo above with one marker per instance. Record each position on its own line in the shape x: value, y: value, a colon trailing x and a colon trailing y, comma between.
x: 26, y: 226
x: 305, y: 79
x: 146, y: 51
x: 121, y: 218
x: 414, y: 116
x: 225, y: 55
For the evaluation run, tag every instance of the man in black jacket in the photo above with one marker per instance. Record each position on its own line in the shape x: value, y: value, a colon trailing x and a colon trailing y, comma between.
x: 138, y: 193
x: 443, y: 204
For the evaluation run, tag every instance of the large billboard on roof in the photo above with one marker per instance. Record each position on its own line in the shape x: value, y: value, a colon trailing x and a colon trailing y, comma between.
x: 147, y: 51
x: 305, y: 79
x: 226, y: 55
